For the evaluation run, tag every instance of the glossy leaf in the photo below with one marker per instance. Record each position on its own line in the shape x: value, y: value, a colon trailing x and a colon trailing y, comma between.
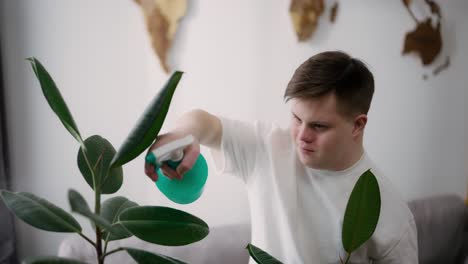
x: 149, y: 124
x: 51, y: 260
x: 100, y: 153
x: 39, y: 212
x: 362, y: 212
x: 145, y: 257
x: 261, y: 256
x: 163, y: 225
x: 79, y: 205
x: 110, y: 210
x: 54, y: 98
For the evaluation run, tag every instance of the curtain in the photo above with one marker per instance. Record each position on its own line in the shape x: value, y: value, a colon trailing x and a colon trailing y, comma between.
x: 7, y: 236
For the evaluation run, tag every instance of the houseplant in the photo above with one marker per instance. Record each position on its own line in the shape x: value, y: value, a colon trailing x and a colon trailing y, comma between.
x: 101, y: 166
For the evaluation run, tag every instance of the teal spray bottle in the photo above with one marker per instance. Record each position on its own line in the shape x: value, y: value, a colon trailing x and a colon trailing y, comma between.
x: 190, y: 187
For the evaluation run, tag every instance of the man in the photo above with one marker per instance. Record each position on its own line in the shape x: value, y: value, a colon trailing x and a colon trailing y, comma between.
x: 299, y: 181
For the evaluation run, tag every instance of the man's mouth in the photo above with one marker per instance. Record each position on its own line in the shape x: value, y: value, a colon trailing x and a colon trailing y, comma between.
x: 306, y: 150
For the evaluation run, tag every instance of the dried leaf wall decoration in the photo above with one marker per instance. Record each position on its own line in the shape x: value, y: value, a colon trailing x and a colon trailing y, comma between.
x: 406, y: 2
x: 333, y: 12
x: 435, y: 9
x: 425, y: 40
x: 162, y: 18
x: 305, y: 15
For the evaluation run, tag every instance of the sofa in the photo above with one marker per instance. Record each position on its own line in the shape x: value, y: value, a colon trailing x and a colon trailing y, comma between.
x: 441, y: 222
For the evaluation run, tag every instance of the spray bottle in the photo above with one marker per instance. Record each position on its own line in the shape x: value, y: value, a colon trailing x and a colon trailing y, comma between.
x: 190, y: 187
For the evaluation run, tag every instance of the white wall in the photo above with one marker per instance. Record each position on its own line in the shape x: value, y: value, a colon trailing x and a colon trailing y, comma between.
x: 238, y: 57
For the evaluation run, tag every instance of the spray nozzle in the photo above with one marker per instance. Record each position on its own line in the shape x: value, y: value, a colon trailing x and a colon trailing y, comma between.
x: 173, y: 151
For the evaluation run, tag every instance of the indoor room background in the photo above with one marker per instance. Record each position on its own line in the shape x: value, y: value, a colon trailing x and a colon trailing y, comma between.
x: 238, y: 57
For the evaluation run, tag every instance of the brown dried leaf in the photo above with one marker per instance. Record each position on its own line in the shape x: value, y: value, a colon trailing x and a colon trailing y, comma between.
x: 333, y: 12
x: 435, y: 9
x: 305, y: 15
x: 162, y: 18
x: 425, y: 40
x: 407, y: 2
x: 158, y: 28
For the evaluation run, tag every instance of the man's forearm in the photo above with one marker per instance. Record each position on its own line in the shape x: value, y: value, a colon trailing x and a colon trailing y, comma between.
x: 202, y: 125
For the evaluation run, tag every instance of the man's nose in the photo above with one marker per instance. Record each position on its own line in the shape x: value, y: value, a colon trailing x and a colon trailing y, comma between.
x: 306, y: 134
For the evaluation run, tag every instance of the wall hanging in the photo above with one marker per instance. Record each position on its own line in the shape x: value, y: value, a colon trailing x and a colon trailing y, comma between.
x: 162, y: 21
x: 426, y: 39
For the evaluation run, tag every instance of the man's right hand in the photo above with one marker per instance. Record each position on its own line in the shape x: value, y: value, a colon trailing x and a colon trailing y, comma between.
x: 203, y: 126
x: 191, y: 153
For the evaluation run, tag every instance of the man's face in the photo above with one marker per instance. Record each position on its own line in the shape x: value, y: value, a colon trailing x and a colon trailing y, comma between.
x: 324, y: 138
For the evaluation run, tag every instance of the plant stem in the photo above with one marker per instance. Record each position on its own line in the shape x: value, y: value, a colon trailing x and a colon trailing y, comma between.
x: 87, y: 239
x: 97, y: 207
x: 98, y: 160
x: 90, y: 168
x: 113, y: 251
x: 106, y: 243
x: 347, y: 259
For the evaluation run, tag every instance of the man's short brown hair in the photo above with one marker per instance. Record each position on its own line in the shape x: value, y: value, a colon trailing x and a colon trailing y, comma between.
x: 334, y: 72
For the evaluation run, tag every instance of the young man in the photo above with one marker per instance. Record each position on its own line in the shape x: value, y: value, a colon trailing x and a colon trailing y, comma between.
x: 299, y: 181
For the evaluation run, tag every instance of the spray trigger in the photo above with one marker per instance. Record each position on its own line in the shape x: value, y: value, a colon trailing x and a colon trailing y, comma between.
x: 172, y: 151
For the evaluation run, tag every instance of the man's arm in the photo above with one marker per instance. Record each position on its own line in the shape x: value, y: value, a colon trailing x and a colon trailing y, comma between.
x: 203, y: 126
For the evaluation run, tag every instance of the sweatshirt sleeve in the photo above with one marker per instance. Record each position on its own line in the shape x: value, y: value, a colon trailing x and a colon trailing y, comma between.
x: 239, y: 147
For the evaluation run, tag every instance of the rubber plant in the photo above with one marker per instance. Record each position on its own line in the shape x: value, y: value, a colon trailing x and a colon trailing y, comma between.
x: 101, y: 166
x: 359, y: 221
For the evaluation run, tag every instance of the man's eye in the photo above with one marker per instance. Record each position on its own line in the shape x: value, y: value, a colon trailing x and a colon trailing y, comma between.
x: 319, y: 127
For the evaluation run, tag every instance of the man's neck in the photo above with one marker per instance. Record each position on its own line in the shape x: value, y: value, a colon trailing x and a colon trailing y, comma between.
x: 351, y: 158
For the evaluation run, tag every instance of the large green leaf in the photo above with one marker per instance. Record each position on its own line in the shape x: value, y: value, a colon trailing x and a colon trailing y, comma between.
x: 149, y: 124
x: 51, y: 260
x: 144, y: 257
x: 39, y: 212
x: 111, y: 210
x: 100, y: 153
x: 54, y: 98
x: 261, y: 256
x: 163, y: 225
x: 79, y: 205
x: 362, y: 212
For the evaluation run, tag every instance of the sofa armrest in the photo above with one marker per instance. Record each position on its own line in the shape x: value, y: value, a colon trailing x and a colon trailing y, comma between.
x: 441, y: 222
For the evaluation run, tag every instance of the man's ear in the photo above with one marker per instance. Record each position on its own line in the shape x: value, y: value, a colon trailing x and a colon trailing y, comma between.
x: 360, y: 122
